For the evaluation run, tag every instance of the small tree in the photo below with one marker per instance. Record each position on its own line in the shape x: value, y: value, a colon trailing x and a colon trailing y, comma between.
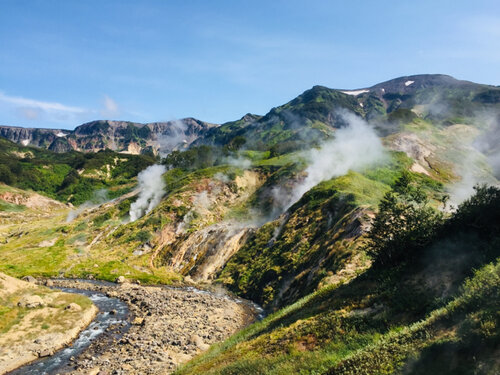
x: 6, y: 175
x: 405, y: 223
x: 479, y: 213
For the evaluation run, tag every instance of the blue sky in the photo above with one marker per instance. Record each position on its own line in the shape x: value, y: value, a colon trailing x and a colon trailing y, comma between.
x: 66, y: 62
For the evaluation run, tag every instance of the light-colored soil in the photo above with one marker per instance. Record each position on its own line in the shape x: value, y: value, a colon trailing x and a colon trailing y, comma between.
x: 419, y: 169
x: 31, y: 200
x: 29, y: 333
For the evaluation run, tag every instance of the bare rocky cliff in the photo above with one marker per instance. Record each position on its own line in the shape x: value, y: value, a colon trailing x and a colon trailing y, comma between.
x: 32, y: 136
x: 121, y: 136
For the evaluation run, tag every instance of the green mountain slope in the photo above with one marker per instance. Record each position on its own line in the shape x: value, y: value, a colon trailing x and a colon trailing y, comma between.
x: 435, y: 314
x: 314, y: 115
x: 263, y: 207
x: 69, y: 177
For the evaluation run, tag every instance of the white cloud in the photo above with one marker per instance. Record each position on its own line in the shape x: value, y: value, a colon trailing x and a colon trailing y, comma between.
x: 110, y: 107
x: 38, y: 110
x: 45, y: 112
x: 26, y: 103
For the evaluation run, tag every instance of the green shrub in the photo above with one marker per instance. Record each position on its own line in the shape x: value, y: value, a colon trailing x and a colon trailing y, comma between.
x: 143, y: 236
x: 405, y: 224
x: 99, y: 220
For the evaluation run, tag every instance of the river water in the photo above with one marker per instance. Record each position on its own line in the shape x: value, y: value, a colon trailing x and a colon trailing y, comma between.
x: 60, y: 361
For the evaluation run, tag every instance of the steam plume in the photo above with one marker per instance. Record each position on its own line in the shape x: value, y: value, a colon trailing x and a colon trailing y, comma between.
x: 173, y: 138
x: 355, y: 147
x: 99, y: 197
x: 152, y: 189
x: 481, y: 159
x: 238, y: 162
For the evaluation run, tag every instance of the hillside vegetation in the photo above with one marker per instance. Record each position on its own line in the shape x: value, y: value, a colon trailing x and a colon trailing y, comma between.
x: 432, y: 310
x: 69, y: 177
x: 340, y: 212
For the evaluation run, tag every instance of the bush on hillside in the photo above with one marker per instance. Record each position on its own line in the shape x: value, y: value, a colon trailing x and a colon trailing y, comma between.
x: 480, y: 213
x: 405, y: 224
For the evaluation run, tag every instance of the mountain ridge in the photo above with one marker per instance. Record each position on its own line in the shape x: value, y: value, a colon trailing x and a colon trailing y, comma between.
x: 317, y: 105
x: 121, y: 136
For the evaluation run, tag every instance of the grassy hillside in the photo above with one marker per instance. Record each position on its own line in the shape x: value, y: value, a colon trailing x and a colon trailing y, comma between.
x: 437, y: 313
x: 36, y: 319
x: 68, y: 177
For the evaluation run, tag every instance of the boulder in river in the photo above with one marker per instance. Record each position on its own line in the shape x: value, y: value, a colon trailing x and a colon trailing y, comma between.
x: 29, y: 279
x: 45, y: 352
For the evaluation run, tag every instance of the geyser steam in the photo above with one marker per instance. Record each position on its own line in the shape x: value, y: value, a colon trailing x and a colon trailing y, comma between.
x: 173, y: 138
x: 480, y: 163
x: 99, y: 197
x: 355, y: 147
x: 152, y: 189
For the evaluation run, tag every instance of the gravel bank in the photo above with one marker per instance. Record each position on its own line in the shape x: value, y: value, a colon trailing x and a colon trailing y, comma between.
x: 169, y: 327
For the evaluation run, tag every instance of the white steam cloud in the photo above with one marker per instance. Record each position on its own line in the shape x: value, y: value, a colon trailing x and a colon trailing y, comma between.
x: 355, y: 147
x: 100, y: 196
x: 481, y: 159
x: 472, y: 171
x: 151, y: 190
x: 173, y: 138
x: 238, y: 162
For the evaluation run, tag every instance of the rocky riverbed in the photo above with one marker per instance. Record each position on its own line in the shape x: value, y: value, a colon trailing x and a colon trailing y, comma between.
x: 169, y: 327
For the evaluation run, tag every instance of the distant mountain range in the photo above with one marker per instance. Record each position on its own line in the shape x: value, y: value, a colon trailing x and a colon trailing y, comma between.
x: 121, y: 136
x: 308, y: 118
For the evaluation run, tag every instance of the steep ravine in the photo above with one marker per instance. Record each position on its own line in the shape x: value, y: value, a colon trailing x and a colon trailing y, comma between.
x: 205, y: 252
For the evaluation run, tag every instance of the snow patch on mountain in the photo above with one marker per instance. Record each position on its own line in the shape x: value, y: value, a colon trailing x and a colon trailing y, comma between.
x: 355, y: 92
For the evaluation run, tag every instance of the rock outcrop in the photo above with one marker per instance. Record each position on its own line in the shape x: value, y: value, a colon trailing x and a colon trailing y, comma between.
x: 121, y: 136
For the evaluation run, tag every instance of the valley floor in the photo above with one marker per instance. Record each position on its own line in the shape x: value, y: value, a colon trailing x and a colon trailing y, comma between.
x: 169, y: 327
x: 36, y: 321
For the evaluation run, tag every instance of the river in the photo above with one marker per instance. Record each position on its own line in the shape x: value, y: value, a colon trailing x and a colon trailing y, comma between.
x: 112, y: 312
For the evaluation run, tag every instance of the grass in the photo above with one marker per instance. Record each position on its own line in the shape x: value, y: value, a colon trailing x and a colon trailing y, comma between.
x: 366, y: 191
x: 278, y: 344
x: 10, y: 316
x: 50, y: 319
x: 260, y: 349
x: 11, y: 207
x: 312, y: 240
x: 408, y: 317
x: 110, y: 270
x: 21, y: 258
x: 282, y: 160
x: 22, y: 253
